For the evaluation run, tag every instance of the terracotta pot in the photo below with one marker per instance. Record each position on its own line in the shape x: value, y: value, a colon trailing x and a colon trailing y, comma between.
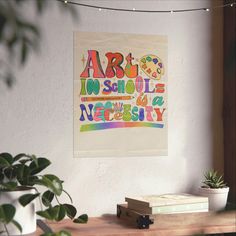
x: 25, y: 216
x: 217, y: 197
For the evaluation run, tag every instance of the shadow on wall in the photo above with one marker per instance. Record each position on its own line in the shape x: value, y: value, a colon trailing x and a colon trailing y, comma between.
x: 229, y: 98
x: 217, y: 88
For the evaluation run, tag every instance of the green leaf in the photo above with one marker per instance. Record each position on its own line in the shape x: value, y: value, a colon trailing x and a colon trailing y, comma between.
x: 19, y: 156
x: 7, y: 156
x: 1, y: 176
x: 45, y: 214
x: 27, y: 198
x: 57, y: 213
x: 82, y: 219
x: 4, y: 162
x: 70, y: 210
x: 39, y: 165
x: 60, y: 212
x: 24, y: 51
x: 18, y: 226
x: 7, y: 213
x: 32, y: 28
x: 63, y: 233
x: 23, y: 174
x: 47, y: 198
x: 53, y: 183
x: 10, y: 172
x: 24, y: 161
x: 32, y: 180
x: 60, y: 233
x: 9, y: 185
x: 41, y: 4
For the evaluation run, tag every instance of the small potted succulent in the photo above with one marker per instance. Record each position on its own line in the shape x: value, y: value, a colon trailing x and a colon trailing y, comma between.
x: 215, y: 189
x: 20, y: 177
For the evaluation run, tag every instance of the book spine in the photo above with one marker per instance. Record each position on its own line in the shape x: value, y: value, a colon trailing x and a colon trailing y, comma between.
x: 166, y: 200
x: 141, y: 221
x: 134, y: 201
x: 170, y: 209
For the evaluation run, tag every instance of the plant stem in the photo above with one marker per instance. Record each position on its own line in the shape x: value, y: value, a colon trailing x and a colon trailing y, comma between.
x: 6, y: 229
x: 40, y: 202
x: 68, y: 195
x: 57, y: 200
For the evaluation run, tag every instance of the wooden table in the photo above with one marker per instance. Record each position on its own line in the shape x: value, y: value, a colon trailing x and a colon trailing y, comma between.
x: 164, y: 225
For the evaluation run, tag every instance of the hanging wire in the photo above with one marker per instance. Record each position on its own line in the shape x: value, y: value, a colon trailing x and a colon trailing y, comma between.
x: 146, y: 11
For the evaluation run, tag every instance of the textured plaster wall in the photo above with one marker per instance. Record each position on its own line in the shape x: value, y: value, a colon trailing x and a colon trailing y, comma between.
x: 37, y: 114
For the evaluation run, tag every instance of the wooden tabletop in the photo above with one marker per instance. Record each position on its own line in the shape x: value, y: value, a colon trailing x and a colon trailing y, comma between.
x: 164, y: 225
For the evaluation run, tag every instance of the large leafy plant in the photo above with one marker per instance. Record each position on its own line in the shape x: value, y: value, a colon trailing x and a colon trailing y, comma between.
x: 23, y: 171
x: 213, y: 180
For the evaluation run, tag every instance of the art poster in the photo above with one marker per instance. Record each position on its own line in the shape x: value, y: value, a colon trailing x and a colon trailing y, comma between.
x: 120, y: 95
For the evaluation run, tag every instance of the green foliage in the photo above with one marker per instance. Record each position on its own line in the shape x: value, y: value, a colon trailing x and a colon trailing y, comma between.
x: 20, y: 36
x: 7, y: 213
x: 22, y: 172
x: 214, y: 180
x: 81, y: 219
x: 60, y: 233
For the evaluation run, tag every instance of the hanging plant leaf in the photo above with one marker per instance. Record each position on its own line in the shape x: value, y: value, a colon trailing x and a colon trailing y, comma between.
x: 23, y: 173
x: 27, y: 198
x: 45, y: 214
x: 11, y: 185
x: 1, y: 176
x: 19, y: 156
x: 7, y: 213
x: 3, y: 162
x: 6, y: 159
x: 24, y: 51
x: 70, y: 210
x: 7, y: 156
x: 57, y: 213
x: 10, y: 172
x: 53, y: 183
x: 60, y: 212
x: 18, y: 226
x: 60, y: 233
x: 39, y: 165
x: 82, y: 219
x: 32, y: 28
x: 47, y: 198
x: 32, y: 180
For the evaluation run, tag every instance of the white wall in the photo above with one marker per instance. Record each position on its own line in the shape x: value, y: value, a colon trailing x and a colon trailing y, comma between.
x: 37, y: 114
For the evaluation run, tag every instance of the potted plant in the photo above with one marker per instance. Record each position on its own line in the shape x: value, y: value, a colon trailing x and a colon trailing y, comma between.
x: 20, y: 177
x: 215, y: 189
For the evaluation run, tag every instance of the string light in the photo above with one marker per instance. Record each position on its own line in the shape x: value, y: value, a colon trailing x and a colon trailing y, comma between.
x: 147, y: 11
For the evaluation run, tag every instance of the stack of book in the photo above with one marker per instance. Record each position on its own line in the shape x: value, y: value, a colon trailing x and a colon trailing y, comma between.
x: 168, y: 203
x: 141, y: 211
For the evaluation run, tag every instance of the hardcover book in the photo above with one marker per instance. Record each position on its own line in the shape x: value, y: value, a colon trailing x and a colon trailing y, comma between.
x: 167, y: 209
x: 165, y: 200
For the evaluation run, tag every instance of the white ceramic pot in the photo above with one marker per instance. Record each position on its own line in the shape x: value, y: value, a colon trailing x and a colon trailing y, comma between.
x: 25, y: 216
x: 217, y: 197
